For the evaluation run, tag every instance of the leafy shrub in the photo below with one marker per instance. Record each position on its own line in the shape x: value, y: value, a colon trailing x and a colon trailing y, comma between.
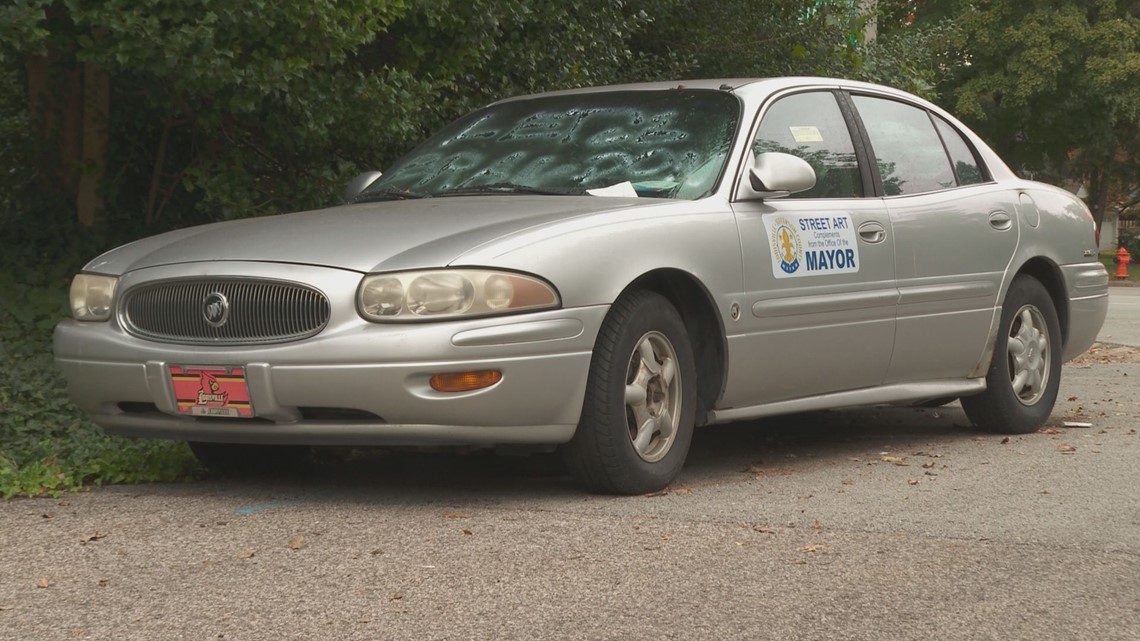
x: 47, y: 445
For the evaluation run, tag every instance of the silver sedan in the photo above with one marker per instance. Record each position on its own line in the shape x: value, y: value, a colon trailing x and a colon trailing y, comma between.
x: 601, y: 270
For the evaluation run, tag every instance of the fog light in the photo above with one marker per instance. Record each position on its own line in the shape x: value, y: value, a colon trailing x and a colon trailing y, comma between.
x: 465, y: 381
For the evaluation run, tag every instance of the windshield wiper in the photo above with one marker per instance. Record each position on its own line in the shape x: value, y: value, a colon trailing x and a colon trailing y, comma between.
x: 500, y: 188
x: 389, y: 193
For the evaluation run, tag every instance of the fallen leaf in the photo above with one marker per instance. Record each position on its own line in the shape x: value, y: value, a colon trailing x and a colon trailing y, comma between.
x: 1049, y: 430
x: 97, y: 536
x: 451, y: 515
x: 763, y: 530
x: 102, y: 583
x: 64, y: 503
x: 897, y: 460
x: 1005, y: 440
x: 43, y: 582
x: 681, y: 489
x: 248, y: 554
x: 296, y: 542
x: 848, y: 482
x: 1065, y: 448
x: 928, y: 465
x: 376, y: 552
x: 812, y: 548
x: 1072, y: 398
x: 467, y: 533
x: 666, y: 537
x: 912, y: 481
x: 816, y: 526
x: 395, y: 596
x: 930, y: 454
x: 46, y: 515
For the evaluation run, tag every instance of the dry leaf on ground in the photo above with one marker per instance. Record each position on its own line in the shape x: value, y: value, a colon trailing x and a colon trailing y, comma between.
x: 296, y: 542
x: 1065, y: 448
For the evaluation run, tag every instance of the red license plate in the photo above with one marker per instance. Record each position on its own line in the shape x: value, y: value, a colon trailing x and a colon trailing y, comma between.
x: 211, y: 391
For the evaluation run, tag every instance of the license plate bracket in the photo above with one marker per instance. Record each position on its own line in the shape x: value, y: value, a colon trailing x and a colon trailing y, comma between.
x: 214, y: 390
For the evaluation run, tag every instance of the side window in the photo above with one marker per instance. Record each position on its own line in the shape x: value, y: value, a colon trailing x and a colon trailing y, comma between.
x: 907, y: 149
x: 811, y: 126
x: 966, y: 166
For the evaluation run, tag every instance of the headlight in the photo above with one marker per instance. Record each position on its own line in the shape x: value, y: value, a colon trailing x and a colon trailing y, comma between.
x: 450, y: 293
x: 91, y: 296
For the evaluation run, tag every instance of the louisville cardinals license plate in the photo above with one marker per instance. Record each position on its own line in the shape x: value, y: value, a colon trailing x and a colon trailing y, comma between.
x: 211, y: 391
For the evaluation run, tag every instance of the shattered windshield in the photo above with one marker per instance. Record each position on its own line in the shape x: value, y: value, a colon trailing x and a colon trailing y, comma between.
x: 662, y: 144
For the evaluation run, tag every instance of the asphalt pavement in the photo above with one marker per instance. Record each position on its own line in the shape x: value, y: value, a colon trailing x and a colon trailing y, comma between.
x: 872, y: 524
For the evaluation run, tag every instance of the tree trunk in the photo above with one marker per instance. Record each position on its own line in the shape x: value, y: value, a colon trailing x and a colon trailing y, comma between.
x: 1098, y: 194
x: 96, y: 135
x: 71, y: 106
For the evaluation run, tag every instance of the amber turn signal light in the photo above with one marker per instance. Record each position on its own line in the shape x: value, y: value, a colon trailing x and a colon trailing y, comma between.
x: 465, y: 381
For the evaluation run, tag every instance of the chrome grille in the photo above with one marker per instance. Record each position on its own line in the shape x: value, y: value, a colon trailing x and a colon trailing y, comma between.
x: 260, y: 311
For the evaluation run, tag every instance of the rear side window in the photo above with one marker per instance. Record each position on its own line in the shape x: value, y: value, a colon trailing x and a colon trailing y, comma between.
x: 907, y: 148
x: 967, y: 169
x: 811, y: 126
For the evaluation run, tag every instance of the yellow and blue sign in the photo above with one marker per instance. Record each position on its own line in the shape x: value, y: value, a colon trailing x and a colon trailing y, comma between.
x: 812, y: 244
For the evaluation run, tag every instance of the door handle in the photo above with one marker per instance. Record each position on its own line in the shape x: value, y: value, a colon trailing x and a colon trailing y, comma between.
x: 872, y: 232
x: 1000, y: 221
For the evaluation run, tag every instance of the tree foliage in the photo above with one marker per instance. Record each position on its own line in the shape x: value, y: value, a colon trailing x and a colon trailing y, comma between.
x: 221, y: 109
x: 1053, y: 85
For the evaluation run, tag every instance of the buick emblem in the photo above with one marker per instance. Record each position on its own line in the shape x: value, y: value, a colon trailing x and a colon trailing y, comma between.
x: 216, y: 309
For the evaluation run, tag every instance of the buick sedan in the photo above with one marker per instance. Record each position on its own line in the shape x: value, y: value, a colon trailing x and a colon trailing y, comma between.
x: 600, y: 271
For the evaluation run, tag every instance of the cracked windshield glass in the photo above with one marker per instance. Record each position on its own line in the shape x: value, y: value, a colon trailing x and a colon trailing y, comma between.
x: 658, y: 144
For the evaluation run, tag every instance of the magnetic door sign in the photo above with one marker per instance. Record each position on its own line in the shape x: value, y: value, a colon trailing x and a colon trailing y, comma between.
x: 211, y: 391
x: 811, y: 245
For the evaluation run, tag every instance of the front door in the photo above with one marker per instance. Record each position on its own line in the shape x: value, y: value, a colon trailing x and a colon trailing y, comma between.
x: 819, y: 268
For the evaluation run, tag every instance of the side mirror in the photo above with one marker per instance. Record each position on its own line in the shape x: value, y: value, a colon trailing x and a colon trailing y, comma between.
x: 359, y: 184
x: 774, y: 175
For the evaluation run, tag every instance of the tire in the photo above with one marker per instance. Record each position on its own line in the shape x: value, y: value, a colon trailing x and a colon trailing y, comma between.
x: 638, y: 415
x: 241, y: 459
x: 1025, y: 373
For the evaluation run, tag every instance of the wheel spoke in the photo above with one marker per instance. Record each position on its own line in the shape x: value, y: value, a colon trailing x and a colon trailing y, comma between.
x: 645, y: 431
x: 1035, y: 380
x: 648, y: 356
x: 1020, y: 380
x: 1016, y: 346
x: 1027, y: 320
x: 665, y: 424
x: 668, y: 371
x: 635, y: 394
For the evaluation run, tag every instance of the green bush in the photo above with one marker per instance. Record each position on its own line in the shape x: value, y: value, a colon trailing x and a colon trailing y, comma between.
x: 46, y: 444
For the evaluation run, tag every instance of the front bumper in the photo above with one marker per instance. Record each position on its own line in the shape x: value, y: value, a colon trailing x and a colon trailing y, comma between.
x: 355, y: 383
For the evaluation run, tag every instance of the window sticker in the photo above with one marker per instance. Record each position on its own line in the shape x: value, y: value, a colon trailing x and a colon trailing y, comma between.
x: 806, y: 134
x: 811, y: 245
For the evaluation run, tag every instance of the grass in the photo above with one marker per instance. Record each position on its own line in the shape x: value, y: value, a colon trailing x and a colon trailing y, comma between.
x: 1107, y: 258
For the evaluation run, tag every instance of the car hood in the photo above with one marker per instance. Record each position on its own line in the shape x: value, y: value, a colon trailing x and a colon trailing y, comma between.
x: 385, y: 236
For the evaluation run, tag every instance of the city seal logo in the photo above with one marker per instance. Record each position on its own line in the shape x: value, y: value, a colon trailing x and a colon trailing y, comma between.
x: 786, y: 247
x: 216, y: 309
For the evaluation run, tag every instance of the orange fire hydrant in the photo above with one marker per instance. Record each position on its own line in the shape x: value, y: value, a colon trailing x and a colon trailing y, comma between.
x: 1122, y: 260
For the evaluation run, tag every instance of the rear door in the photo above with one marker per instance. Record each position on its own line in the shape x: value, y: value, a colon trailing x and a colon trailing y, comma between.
x: 955, y: 232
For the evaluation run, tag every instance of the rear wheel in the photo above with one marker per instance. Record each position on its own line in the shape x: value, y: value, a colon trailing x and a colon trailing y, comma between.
x: 242, y: 459
x: 637, y: 421
x: 1025, y: 374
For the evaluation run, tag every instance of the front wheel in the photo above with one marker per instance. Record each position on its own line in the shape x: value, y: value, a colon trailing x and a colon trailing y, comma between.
x: 637, y: 421
x: 1025, y: 374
